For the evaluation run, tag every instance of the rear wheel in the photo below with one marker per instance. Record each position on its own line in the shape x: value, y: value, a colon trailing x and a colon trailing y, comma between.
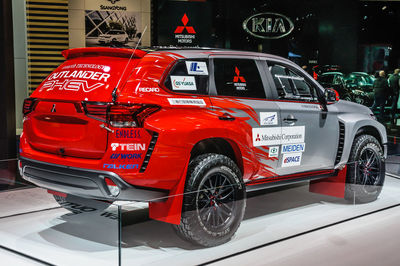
x: 366, y: 170
x: 214, y: 201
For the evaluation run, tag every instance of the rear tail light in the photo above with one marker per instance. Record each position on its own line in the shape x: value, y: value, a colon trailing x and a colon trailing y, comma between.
x: 120, y: 115
x: 29, y: 105
x: 112, y: 187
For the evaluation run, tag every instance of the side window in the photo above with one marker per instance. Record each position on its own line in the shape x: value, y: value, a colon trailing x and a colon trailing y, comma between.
x: 188, y: 76
x: 238, y: 77
x: 290, y: 85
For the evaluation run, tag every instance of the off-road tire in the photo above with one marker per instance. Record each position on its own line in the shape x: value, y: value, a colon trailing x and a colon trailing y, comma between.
x: 365, y: 179
x: 227, y: 202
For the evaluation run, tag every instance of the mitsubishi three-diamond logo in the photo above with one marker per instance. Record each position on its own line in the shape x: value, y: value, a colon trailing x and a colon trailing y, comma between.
x: 189, y: 29
x: 238, y: 81
x: 185, y: 34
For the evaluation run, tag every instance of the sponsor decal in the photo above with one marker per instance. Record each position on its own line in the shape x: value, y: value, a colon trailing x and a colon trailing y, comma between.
x: 183, y: 83
x: 278, y: 135
x: 120, y: 166
x: 130, y: 156
x: 238, y: 81
x: 113, y: 7
x: 191, y: 33
x: 292, y: 148
x: 273, y: 151
x: 70, y: 85
x: 90, y: 66
x: 196, y: 68
x: 292, y: 159
x: 155, y: 89
x: 185, y: 101
x: 127, y: 133
x: 268, y: 25
x: 268, y: 118
x: 80, y: 74
x: 128, y: 146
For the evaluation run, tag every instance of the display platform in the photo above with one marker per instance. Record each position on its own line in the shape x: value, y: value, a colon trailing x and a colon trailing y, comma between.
x: 32, y: 224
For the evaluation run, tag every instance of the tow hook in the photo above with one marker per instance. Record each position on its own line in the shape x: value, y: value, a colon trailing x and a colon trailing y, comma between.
x: 107, y: 128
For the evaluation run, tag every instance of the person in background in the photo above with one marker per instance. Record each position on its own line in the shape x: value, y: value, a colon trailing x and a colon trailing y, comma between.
x: 394, y: 84
x: 381, y: 91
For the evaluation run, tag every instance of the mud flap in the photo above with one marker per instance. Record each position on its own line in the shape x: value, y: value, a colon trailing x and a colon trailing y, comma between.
x: 170, y: 210
x: 333, y: 186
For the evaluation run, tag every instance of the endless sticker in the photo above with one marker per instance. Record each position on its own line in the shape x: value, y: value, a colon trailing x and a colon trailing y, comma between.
x: 268, y: 118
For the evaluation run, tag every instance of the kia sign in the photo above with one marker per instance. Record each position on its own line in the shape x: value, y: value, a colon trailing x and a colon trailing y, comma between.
x: 268, y: 25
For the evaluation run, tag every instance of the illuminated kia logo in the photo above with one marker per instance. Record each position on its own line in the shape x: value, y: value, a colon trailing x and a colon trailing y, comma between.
x: 238, y: 77
x: 113, y: 1
x: 189, y: 29
x: 268, y: 25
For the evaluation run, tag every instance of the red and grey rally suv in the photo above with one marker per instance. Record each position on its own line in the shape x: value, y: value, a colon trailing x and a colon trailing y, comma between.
x: 191, y: 131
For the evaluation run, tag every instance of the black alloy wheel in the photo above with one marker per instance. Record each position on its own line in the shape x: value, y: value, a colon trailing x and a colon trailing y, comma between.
x: 366, y: 170
x: 214, y: 201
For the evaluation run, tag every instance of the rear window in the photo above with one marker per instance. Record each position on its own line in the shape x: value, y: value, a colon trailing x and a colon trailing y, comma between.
x: 238, y: 77
x: 189, y: 76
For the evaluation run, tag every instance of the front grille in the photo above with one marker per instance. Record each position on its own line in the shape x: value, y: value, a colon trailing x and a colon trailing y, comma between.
x: 149, y: 152
x: 341, y: 143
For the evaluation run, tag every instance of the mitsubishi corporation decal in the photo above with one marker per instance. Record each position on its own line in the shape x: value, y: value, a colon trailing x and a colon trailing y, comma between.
x: 278, y: 135
x: 185, y: 34
x: 196, y: 68
x: 183, y: 83
x: 239, y: 81
x: 186, y: 101
x: 268, y: 118
x: 293, y: 159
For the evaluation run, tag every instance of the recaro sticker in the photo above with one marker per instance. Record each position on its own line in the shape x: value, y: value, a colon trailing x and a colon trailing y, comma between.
x: 273, y: 151
x: 292, y: 159
x: 183, y: 83
x: 278, y: 135
x: 196, y: 68
x: 185, y: 101
x: 292, y: 148
x: 268, y: 118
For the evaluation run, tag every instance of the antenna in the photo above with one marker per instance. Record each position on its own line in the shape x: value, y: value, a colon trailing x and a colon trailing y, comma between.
x: 114, y: 93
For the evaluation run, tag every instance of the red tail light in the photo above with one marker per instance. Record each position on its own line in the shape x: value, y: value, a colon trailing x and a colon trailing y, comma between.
x: 120, y: 115
x: 29, y: 105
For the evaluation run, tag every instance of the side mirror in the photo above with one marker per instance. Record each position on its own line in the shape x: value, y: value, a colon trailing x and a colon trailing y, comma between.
x: 331, y: 95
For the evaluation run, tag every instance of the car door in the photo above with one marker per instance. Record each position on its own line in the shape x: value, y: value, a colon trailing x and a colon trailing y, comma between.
x: 239, y: 95
x: 310, y: 134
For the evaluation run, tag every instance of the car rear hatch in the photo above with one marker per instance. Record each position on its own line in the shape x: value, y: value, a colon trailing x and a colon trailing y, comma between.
x: 59, y: 120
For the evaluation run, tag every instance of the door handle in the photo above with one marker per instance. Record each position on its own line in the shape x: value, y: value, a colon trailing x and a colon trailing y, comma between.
x: 226, y: 117
x: 290, y: 119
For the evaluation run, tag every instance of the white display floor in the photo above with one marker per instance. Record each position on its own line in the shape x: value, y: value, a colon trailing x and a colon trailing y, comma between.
x: 91, y: 239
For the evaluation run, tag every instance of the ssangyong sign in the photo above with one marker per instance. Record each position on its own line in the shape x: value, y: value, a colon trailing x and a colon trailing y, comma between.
x: 268, y: 25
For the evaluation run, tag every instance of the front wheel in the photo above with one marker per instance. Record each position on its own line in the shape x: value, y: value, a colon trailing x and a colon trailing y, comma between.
x: 214, y: 201
x: 366, y: 170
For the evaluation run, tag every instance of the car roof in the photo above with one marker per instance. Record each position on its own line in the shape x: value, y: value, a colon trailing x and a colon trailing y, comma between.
x: 204, y: 52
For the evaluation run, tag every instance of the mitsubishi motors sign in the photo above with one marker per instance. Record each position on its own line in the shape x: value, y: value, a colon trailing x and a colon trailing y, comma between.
x: 185, y: 34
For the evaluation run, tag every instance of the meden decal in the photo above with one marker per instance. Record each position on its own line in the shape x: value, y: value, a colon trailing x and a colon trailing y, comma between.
x: 268, y: 118
x: 273, y: 151
x: 292, y: 159
x: 293, y: 148
x: 128, y: 146
x: 186, y: 101
x: 278, y: 135
x: 268, y: 25
x: 183, y: 83
x: 196, y: 68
